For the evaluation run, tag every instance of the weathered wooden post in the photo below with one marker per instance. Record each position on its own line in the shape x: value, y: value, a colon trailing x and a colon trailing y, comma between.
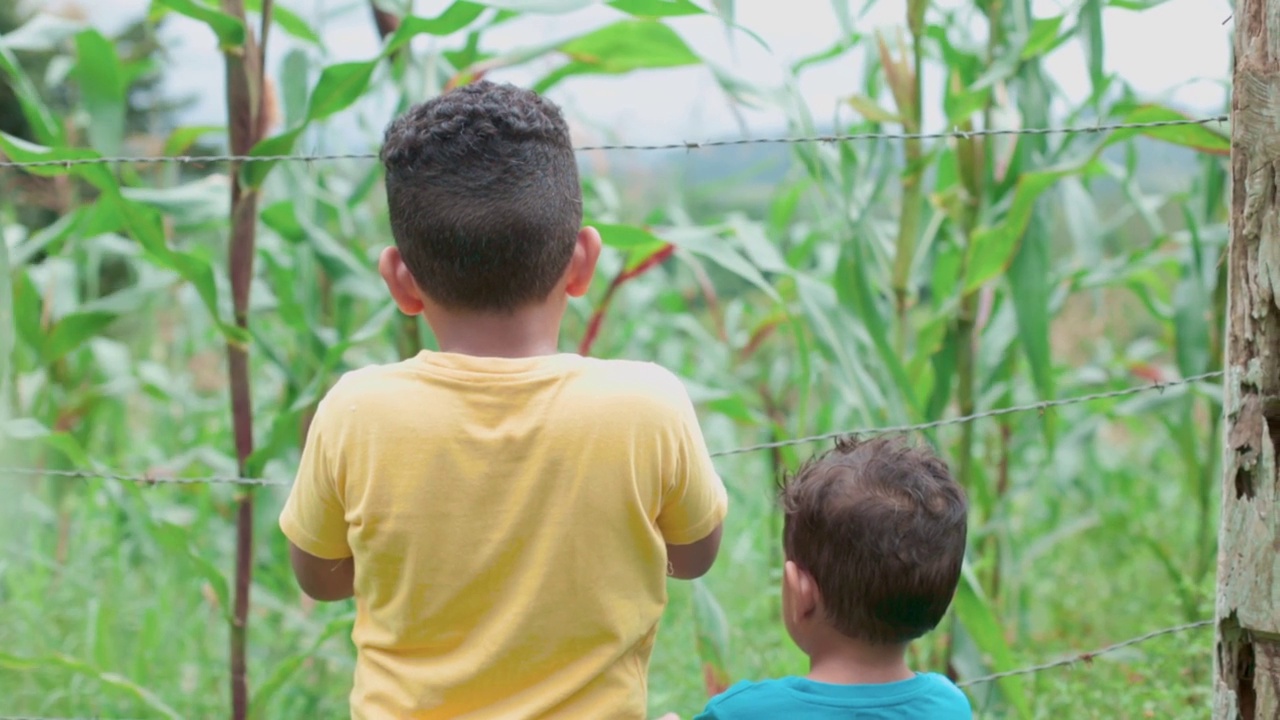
x: 1247, y: 646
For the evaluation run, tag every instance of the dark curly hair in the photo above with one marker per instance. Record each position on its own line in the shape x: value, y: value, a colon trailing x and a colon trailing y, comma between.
x: 483, y: 194
x: 881, y: 526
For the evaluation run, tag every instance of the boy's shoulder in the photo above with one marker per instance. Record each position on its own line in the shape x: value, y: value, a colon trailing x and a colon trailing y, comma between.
x: 611, y: 380
x: 749, y: 699
x: 783, y: 697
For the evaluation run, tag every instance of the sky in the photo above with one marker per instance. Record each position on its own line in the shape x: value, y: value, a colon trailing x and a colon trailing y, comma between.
x: 1177, y: 53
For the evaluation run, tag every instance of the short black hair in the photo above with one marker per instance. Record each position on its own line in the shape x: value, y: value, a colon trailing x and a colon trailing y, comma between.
x: 483, y: 195
x: 881, y: 526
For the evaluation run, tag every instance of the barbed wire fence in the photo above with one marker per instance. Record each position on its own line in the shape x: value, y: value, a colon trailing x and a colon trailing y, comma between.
x: 688, y: 145
x: 155, y: 478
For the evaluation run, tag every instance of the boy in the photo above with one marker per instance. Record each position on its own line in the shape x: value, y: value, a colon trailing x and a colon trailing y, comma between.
x: 505, y: 515
x: 874, y: 537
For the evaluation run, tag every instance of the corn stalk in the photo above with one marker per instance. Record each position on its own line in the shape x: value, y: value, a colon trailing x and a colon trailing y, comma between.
x: 245, y: 72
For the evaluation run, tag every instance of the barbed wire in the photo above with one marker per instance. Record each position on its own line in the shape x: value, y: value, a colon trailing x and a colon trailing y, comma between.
x: 154, y: 479
x: 1041, y: 406
x: 1029, y: 670
x: 687, y: 145
x: 1084, y: 657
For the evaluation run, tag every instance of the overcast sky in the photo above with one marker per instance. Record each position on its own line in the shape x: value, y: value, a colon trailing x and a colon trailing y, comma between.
x: 1176, y: 53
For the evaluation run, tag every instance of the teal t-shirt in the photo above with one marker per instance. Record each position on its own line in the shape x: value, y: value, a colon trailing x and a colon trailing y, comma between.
x: 927, y: 695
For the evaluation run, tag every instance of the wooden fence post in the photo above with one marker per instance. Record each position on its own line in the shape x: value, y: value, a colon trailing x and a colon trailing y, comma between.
x: 1247, y: 643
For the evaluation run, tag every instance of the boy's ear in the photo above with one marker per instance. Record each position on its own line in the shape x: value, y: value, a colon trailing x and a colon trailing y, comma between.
x: 802, y: 589
x: 583, y: 264
x: 404, y: 290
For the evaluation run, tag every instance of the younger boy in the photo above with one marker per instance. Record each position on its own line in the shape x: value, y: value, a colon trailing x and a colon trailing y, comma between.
x: 874, y: 538
x: 504, y: 514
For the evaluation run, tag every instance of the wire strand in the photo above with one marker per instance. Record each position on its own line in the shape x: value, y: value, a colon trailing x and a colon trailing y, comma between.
x: 1086, y: 657
x: 210, y: 159
x: 1029, y: 670
x: 153, y: 479
x: 1041, y: 406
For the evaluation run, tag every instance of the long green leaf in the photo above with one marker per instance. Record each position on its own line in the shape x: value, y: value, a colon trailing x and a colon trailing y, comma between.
x: 46, y: 129
x: 102, y: 88
x: 992, y: 249
x: 71, y: 331
x: 622, y: 47
x: 979, y: 619
x: 66, y: 663
x: 1196, y: 137
x: 229, y: 30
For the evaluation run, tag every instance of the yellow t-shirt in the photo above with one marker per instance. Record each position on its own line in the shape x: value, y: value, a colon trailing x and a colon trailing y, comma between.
x: 508, y: 521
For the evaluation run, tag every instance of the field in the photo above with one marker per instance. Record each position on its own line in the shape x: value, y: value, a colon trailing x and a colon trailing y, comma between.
x: 813, y: 287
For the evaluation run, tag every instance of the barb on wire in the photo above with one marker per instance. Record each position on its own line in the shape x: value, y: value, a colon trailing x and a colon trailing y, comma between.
x: 210, y: 159
x: 1088, y: 656
x: 1040, y: 406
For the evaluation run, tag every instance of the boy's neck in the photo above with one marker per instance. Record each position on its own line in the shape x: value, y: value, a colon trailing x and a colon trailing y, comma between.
x: 845, y: 661
x: 528, y: 332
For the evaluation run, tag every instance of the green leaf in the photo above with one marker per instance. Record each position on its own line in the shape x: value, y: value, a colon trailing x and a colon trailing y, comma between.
x: 454, y: 18
x: 630, y: 45
x: 1044, y: 37
x: 284, y: 671
x: 338, y: 87
x: 181, y: 139
x: 8, y: 331
x: 626, y: 237
x: 712, y: 631
x: 95, y: 174
x: 46, y: 129
x: 1197, y: 137
x: 1030, y: 282
x: 991, y: 249
x: 547, y: 7
x: 195, y: 203
x: 719, y: 252
x: 975, y: 612
x: 620, y: 48
x: 657, y: 8
x: 869, y: 109
x: 177, y: 540
x: 253, y: 174
x: 24, y: 428
x: 288, y: 21
x: 854, y: 291
x: 147, y: 227
x: 102, y: 89
x: 70, y: 331
x: 66, y: 663
x: 1192, y: 337
x: 229, y: 30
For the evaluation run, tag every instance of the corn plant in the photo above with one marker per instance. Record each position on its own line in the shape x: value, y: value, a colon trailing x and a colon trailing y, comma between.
x: 827, y: 286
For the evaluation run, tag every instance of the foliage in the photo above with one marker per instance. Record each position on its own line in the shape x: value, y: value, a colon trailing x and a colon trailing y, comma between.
x: 882, y: 283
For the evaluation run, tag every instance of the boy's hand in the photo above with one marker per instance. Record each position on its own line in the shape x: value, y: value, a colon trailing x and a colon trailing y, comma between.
x: 670, y: 716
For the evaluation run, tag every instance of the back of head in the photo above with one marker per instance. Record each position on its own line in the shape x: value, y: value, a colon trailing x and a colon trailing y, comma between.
x: 881, y: 527
x: 483, y: 195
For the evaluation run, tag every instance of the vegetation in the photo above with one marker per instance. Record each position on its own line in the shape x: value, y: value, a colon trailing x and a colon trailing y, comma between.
x: 845, y: 285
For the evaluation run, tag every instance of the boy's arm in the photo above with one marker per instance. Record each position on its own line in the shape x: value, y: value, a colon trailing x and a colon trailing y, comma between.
x: 322, y: 580
x: 314, y: 521
x: 694, y: 560
x: 695, y: 505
